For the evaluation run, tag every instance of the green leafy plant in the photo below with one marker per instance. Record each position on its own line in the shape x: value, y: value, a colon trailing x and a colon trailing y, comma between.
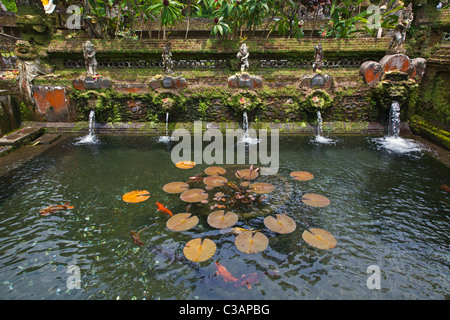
x: 170, y: 12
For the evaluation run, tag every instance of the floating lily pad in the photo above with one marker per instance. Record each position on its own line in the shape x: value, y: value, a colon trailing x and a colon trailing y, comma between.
x: 319, y: 238
x: 245, y: 184
x: 249, y: 242
x: 218, y: 219
x: 185, y: 164
x: 194, y: 195
x: 176, y: 187
x: 136, y: 196
x: 281, y: 224
x: 246, y: 174
x: 214, y: 171
x: 197, y: 250
x: 261, y: 188
x: 182, y: 222
x: 302, y: 175
x: 315, y: 200
x: 215, y: 181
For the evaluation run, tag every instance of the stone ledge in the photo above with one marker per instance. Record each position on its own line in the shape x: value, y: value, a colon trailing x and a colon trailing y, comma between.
x: 340, y: 128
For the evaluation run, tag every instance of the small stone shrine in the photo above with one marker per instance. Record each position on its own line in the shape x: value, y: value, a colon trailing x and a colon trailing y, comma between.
x: 318, y: 79
x: 243, y: 79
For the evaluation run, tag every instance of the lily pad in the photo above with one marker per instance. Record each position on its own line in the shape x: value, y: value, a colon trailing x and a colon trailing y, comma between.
x: 194, y: 195
x: 249, y: 242
x: 185, y: 164
x: 215, y: 181
x: 302, y: 175
x: 261, y: 188
x: 214, y: 171
x: 281, y: 224
x: 136, y: 196
x: 319, y: 238
x: 182, y: 222
x: 176, y: 187
x: 197, y: 250
x: 246, y: 174
x: 315, y: 200
x: 218, y: 219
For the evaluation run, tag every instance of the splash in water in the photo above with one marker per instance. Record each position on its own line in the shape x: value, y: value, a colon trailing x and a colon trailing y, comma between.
x: 319, y: 138
x: 392, y: 142
x: 165, y: 138
x: 90, y: 138
x: 246, y: 136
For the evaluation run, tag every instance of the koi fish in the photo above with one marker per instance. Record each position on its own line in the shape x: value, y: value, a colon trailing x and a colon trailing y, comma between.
x: 52, y: 209
x: 163, y: 209
x: 236, y: 230
x: 249, y: 279
x: 221, y: 270
x: 136, y: 238
x: 445, y: 188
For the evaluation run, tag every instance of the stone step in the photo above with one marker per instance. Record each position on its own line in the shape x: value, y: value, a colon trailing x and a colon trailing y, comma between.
x: 20, y: 135
x: 47, y: 138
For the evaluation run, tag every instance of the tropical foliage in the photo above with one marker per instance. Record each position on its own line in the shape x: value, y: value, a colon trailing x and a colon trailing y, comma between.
x: 232, y: 19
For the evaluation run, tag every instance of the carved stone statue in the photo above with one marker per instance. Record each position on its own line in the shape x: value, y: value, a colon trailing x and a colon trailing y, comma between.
x: 89, y: 58
x: 318, y: 57
x: 167, y: 60
x: 243, y: 56
x: 406, y: 16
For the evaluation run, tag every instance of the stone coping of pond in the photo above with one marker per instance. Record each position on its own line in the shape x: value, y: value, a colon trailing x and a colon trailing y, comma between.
x: 336, y: 127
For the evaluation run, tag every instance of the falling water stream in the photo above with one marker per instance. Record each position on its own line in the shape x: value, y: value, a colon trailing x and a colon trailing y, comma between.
x: 392, y: 142
x: 165, y: 138
x: 90, y: 137
x: 246, y: 138
x: 394, y: 120
x: 319, y: 138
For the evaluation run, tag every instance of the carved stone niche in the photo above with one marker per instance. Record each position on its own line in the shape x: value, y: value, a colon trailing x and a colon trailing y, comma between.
x: 91, y: 83
x: 168, y: 82
x: 318, y: 80
x: 373, y: 72
x: 245, y: 80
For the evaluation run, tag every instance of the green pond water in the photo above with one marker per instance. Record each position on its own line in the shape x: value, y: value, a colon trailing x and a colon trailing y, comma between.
x: 387, y: 210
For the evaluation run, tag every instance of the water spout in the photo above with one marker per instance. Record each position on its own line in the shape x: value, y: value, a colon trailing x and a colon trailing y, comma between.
x: 319, y: 138
x: 319, y: 124
x: 90, y: 137
x: 246, y: 136
x: 392, y: 142
x: 394, y: 120
x: 165, y: 138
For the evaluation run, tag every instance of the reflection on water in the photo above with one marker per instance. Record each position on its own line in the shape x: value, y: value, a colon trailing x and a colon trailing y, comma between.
x: 386, y: 210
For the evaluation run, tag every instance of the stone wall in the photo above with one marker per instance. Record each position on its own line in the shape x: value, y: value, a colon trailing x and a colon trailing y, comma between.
x: 9, y: 118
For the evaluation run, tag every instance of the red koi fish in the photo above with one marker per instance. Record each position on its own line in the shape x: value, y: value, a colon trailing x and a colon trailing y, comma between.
x: 52, y: 209
x: 445, y: 188
x: 163, y: 209
x: 221, y: 270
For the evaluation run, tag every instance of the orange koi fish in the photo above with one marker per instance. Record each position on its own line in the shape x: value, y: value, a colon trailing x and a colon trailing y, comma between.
x: 163, y: 209
x: 248, y: 279
x: 221, y: 270
x: 52, y: 209
x: 445, y: 188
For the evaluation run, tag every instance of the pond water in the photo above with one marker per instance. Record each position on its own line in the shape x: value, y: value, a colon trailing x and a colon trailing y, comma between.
x: 386, y: 210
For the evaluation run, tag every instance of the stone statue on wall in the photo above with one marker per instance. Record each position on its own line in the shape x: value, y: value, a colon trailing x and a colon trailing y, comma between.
x: 318, y: 58
x: 243, y: 56
x: 405, y: 18
x: 167, y: 61
x: 89, y: 58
